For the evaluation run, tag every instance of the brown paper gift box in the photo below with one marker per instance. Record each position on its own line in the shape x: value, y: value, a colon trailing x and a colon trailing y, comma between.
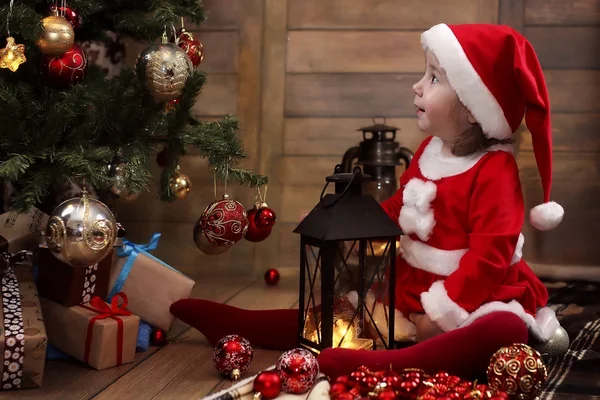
x: 68, y: 285
x: 68, y: 329
x: 152, y: 286
x: 36, y: 340
x: 21, y: 231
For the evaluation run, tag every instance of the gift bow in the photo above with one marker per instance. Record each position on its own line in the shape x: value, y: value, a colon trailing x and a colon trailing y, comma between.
x: 104, y: 311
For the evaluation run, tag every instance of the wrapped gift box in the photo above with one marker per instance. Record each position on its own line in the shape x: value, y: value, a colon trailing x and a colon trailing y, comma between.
x: 101, y: 335
x: 20, y: 231
x: 68, y: 285
x: 150, y: 284
x: 24, y: 356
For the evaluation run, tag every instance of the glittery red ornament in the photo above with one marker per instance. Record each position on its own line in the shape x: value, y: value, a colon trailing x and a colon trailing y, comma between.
x: 69, y: 14
x: 66, y: 70
x: 268, y: 384
x: 232, y: 356
x: 224, y: 222
x: 254, y: 233
x: 272, y: 276
x: 158, y: 337
x: 518, y: 370
x: 386, y: 395
x: 265, y: 217
x: 337, y: 388
x: 344, y: 396
x: 191, y: 45
x: 298, y: 370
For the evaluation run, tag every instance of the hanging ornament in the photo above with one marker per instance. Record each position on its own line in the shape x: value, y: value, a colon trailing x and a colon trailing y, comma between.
x: 517, y: 370
x: 232, y: 356
x: 192, y: 46
x: 298, y: 369
x: 264, y: 217
x: 267, y: 385
x: 117, y: 171
x: 224, y: 222
x: 260, y: 228
x: 13, y: 54
x: 164, y: 68
x: 158, y: 337
x: 68, y: 13
x: 205, y: 245
x: 66, y: 70
x: 81, y: 231
x: 254, y: 233
x: 272, y: 276
x: 57, y: 36
x: 180, y: 184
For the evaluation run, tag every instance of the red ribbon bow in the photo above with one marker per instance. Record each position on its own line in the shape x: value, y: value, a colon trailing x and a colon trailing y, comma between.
x: 104, y: 311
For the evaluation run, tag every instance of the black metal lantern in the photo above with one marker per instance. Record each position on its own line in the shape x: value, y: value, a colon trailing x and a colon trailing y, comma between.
x: 347, y: 268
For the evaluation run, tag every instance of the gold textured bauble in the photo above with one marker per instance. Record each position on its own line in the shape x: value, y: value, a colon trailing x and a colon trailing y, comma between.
x: 57, y: 36
x: 81, y: 231
x: 180, y: 185
x: 164, y: 68
x: 204, y: 245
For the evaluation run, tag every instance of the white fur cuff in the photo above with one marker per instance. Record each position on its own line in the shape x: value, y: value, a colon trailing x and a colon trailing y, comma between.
x: 441, y: 309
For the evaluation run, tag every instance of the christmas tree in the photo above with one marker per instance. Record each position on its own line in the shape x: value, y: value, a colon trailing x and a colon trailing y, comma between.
x: 62, y: 120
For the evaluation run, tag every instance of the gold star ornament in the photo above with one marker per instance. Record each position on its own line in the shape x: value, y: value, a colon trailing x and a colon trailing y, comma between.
x: 12, y: 55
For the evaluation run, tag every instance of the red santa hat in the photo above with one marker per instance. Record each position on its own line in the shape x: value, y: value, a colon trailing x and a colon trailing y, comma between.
x: 496, y: 74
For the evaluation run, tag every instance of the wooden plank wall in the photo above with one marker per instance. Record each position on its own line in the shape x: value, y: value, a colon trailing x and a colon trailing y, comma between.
x: 566, y: 37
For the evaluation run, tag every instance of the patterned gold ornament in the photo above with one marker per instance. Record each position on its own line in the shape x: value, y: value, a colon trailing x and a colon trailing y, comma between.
x: 81, y: 231
x: 164, y: 68
x: 12, y: 55
x: 180, y: 184
x: 57, y: 37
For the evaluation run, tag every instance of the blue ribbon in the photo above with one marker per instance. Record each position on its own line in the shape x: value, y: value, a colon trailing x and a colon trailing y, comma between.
x: 132, y: 250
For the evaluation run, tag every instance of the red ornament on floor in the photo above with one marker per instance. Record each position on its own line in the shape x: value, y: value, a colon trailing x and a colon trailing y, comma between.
x: 232, y: 356
x: 272, y: 276
x: 254, y: 233
x: 298, y: 369
x: 66, y: 70
x: 158, y: 337
x: 267, y: 384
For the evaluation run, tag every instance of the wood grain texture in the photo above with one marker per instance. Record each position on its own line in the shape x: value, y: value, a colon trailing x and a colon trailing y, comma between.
x: 558, y: 12
x: 350, y: 95
x: 289, y: 245
x: 570, y: 132
x: 224, y: 14
x: 565, y: 47
x: 512, y: 13
x: 382, y: 14
x: 567, y: 167
x: 298, y: 200
x: 219, y: 96
x: 333, y: 136
x: 574, y: 90
x: 354, y: 51
x: 488, y: 11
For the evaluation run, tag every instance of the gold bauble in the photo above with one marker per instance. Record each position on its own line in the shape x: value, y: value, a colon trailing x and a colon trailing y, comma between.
x: 556, y: 347
x: 81, y: 231
x: 204, y: 245
x: 57, y: 36
x: 180, y: 185
x: 164, y: 68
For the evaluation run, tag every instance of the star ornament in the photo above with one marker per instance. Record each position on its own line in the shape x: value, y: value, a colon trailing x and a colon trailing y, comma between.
x: 12, y: 55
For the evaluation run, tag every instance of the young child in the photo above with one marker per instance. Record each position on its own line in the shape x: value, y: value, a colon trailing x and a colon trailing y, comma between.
x: 460, y: 276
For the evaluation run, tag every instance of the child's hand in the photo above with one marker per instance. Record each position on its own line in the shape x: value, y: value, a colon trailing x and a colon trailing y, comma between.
x: 426, y: 328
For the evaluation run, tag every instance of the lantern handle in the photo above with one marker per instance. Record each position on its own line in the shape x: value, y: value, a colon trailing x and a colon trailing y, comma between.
x: 356, y: 171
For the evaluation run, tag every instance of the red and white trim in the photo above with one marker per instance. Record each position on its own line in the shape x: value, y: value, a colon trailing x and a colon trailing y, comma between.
x: 423, y: 256
x: 448, y: 315
x: 466, y: 82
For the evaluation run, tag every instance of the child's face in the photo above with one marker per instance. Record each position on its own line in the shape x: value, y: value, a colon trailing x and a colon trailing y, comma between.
x: 439, y: 112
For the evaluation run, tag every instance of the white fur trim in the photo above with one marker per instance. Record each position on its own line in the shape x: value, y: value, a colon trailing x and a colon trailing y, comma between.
x: 466, y: 82
x: 434, y: 165
x: 505, y: 147
x: 518, y: 255
x: 546, y: 216
x: 542, y: 326
x: 404, y: 329
x: 412, y: 221
x: 441, y: 309
x: 419, y: 194
x: 423, y: 256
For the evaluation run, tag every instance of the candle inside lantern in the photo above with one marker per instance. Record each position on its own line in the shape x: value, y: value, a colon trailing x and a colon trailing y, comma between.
x: 345, y: 336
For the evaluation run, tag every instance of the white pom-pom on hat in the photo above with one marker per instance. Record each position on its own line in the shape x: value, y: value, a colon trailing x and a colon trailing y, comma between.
x: 546, y: 216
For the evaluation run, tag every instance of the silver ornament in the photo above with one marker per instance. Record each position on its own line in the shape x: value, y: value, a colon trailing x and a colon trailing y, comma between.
x: 164, y: 68
x: 556, y: 346
x: 204, y: 245
x: 81, y: 231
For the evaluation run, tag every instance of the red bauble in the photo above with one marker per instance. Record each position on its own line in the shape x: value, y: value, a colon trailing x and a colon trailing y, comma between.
x: 268, y: 384
x: 254, y: 233
x: 158, y: 337
x: 517, y: 370
x: 264, y: 217
x: 69, y: 14
x: 66, y: 70
x: 232, y: 356
x: 192, y: 46
x: 386, y: 395
x: 272, y: 276
x: 337, y: 388
x: 343, y: 396
x: 224, y: 222
x: 298, y: 370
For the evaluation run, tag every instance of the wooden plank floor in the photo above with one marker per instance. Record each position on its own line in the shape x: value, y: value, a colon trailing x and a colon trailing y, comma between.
x: 182, y: 369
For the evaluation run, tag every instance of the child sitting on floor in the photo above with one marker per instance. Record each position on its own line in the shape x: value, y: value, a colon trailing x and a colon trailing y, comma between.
x: 460, y: 276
